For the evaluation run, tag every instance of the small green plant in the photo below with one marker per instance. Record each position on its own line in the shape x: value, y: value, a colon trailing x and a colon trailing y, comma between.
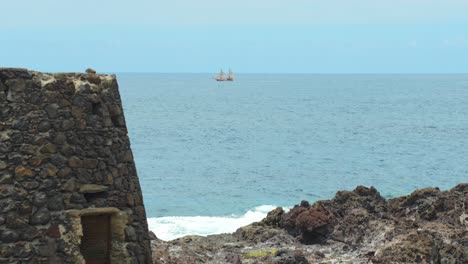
x: 259, y: 254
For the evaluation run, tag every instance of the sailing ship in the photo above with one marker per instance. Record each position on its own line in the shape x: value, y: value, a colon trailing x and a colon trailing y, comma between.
x: 221, y: 76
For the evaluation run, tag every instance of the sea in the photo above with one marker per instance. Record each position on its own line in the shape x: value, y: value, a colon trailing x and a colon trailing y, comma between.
x: 215, y: 156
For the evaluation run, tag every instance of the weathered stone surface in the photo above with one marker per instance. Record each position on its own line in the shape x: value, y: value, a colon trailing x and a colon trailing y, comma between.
x: 70, y: 185
x: 130, y: 233
x: 63, y: 172
x: 22, y: 171
x: 3, y: 165
x: 53, y: 231
x: 30, y: 185
x: 44, y: 126
x: 8, y: 236
x: 47, y: 248
x: 55, y: 203
x: 75, y: 162
x: 93, y: 188
x: 52, y: 110
x: 60, y: 139
x: 90, y: 163
x: 41, y: 217
x: 274, y: 217
x: 311, y: 224
x: 68, y: 124
x: 36, y: 161
x: 6, y: 178
x: 39, y: 199
x: 360, y: 227
x: 28, y: 149
x: 63, y: 142
x: 126, y: 156
x: 52, y: 170
x: 49, y: 148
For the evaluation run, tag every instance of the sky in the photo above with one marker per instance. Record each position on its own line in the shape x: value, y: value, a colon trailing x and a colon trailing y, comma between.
x: 249, y: 36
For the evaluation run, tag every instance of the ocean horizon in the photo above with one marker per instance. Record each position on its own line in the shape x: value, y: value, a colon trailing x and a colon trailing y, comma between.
x: 214, y: 156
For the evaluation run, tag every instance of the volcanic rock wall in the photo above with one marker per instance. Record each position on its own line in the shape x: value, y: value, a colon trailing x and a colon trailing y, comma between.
x: 65, y: 156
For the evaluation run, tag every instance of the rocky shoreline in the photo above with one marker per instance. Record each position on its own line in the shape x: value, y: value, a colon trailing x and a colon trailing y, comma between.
x: 359, y: 226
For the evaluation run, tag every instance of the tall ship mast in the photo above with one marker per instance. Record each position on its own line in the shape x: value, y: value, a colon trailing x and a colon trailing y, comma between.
x: 231, y: 76
x: 221, y: 76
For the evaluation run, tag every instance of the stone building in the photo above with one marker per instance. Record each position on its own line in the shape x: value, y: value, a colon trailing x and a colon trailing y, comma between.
x: 69, y: 192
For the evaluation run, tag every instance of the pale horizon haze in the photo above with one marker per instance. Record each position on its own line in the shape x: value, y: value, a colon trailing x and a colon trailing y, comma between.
x: 298, y: 36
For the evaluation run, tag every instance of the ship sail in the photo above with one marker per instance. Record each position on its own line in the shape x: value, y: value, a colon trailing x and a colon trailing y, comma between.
x: 221, y: 76
x: 231, y: 75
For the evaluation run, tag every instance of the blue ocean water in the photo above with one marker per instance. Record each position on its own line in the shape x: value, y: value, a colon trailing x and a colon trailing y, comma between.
x: 209, y: 149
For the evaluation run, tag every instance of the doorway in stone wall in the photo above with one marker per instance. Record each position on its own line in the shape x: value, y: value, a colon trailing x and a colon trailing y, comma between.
x: 96, y: 241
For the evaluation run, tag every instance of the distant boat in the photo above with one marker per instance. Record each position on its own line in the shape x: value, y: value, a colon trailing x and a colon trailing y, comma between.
x: 221, y: 76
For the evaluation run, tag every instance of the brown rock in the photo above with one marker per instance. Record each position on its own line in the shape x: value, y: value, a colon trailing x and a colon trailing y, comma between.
x: 93, y: 188
x: 126, y: 156
x: 53, y: 231
x: 35, y: 161
x: 130, y: 200
x: 49, y: 148
x: 90, y: 163
x: 311, y: 225
x: 63, y: 172
x: 52, y: 170
x: 274, y: 217
x: 69, y: 185
x: 22, y: 171
x: 75, y: 162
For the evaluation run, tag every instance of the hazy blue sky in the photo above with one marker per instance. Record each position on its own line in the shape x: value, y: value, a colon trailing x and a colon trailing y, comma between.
x: 327, y: 36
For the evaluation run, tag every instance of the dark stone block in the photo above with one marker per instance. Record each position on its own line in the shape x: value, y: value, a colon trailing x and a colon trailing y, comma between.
x: 12, y: 73
x: 68, y: 124
x: 21, y: 124
x: 130, y: 233
x: 30, y: 185
x: 49, y: 148
x: 90, y: 163
x: 39, y: 199
x: 41, y: 217
x: 58, y: 160
x: 60, y: 139
x: 55, y: 203
x: 52, y: 110
x: 17, y: 138
x: 8, y: 236
x: 75, y: 162
x: 47, y: 248
x: 49, y: 184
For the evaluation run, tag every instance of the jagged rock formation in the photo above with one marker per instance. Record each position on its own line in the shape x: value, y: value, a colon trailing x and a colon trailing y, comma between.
x: 359, y: 226
x: 68, y: 185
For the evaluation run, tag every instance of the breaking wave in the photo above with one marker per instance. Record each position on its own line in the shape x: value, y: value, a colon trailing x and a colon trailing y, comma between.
x: 172, y: 227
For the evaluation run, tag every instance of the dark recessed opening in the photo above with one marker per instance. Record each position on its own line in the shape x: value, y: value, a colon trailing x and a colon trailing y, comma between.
x: 91, y: 197
x: 97, y: 109
x: 96, y: 241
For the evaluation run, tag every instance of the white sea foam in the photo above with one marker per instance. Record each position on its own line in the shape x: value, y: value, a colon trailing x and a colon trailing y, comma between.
x: 172, y: 227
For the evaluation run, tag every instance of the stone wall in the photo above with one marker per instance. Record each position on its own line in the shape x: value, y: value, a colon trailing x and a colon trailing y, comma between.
x: 65, y: 153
